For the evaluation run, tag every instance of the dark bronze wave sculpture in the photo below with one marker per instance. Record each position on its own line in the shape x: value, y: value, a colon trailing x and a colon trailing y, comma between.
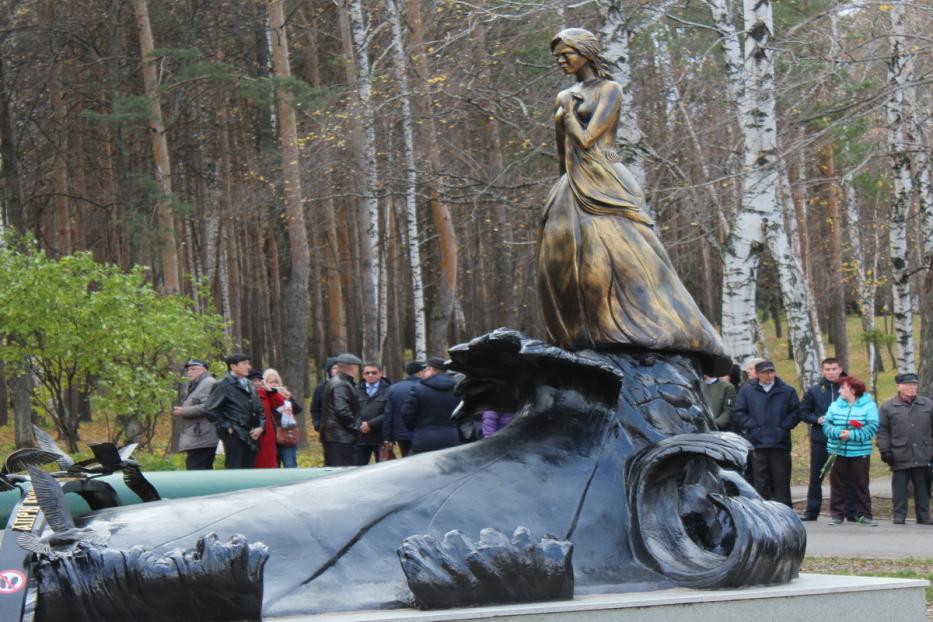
x: 590, y: 459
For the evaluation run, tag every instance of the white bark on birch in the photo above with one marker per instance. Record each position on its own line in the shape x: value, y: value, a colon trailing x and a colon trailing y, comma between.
x: 615, y: 38
x: 900, y: 74
x: 369, y: 205
x: 400, y: 59
x: 864, y: 279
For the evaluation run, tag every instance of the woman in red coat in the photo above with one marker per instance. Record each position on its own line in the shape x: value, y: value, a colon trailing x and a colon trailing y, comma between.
x: 267, y: 457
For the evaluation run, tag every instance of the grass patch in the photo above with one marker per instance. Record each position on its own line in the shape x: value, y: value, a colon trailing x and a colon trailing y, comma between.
x: 895, y: 568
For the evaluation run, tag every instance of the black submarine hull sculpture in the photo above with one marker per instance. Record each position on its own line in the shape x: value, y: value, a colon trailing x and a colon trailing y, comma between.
x: 610, y: 480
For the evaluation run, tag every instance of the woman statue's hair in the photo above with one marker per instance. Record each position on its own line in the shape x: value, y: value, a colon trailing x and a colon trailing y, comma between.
x: 587, y: 45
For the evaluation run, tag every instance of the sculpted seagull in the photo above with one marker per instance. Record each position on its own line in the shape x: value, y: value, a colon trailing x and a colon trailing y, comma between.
x: 17, y: 462
x: 107, y: 459
x: 64, y: 534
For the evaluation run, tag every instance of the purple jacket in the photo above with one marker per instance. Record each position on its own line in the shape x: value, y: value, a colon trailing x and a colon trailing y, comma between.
x: 494, y: 421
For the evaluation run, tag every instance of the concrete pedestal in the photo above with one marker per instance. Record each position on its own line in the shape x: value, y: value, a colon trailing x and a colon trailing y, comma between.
x: 823, y: 598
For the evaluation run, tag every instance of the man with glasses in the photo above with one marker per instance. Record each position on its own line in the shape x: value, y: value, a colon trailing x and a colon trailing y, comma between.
x: 373, y: 393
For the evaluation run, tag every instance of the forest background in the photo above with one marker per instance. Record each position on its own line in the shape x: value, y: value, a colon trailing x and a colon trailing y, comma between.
x: 368, y: 176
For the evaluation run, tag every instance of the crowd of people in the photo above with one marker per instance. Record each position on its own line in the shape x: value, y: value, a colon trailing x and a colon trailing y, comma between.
x: 844, y: 422
x: 360, y: 416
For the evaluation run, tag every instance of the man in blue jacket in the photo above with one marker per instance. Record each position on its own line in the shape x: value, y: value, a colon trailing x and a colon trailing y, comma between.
x: 428, y: 408
x: 394, y: 430
x: 765, y: 411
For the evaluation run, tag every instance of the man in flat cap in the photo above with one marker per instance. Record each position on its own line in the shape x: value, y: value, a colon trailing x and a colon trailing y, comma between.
x: 340, y: 411
x: 236, y: 412
x: 197, y: 438
x: 765, y: 411
x: 905, y: 440
x: 428, y: 408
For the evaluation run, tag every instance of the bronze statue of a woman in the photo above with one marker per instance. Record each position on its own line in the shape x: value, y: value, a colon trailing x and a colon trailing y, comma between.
x: 604, y: 278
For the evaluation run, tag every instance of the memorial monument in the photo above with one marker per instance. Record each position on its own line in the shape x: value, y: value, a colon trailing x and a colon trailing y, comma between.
x: 610, y: 478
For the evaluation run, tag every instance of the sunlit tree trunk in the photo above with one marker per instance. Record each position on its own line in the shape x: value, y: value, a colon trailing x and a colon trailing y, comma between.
x: 61, y: 205
x: 295, y: 304
x: 900, y: 74
x: 170, y: 276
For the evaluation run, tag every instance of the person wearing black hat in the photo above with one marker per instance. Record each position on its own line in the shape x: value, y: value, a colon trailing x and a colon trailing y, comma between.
x: 394, y: 430
x: 905, y: 440
x: 427, y: 410
x: 765, y: 411
x: 339, y: 413
x: 197, y: 437
x: 236, y: 412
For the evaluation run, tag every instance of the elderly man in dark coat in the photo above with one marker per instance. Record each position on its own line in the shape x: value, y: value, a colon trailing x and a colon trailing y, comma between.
x: 236, y: 412
x: 765, y: 411
x: 428, y: 409
x: 905, y: 440
x: 340, y: 412
x: 197, y: 437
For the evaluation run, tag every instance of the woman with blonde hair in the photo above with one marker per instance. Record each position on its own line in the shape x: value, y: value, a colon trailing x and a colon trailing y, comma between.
x: 284, y: 413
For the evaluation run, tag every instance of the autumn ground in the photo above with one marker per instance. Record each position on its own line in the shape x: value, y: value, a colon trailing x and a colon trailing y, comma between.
x: 310, y: 456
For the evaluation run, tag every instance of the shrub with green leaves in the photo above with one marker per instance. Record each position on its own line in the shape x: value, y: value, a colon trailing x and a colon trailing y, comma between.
x: 83, y: 326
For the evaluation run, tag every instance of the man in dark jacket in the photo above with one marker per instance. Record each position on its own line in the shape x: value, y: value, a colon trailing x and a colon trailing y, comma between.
x: 340, y: 412
x: 373, y: 395
x: 236, y: 412
x: 428, y: 408
x: 198, y: 438
x: 317, y: 400
x: 905, y: 440
x: 813, y: 407
x: 394, y: 430
x: 765, y: 411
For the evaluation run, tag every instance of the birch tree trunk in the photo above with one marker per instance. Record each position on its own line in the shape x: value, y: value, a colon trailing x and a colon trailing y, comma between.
x: 368, y: 213
x: 295, y: 304
x: 751, y: 86
x: 171, y: 283
x: 615, y: 37
x: 900, y: 74
x: 864, y: 279
x: 442, y: 307
x: 400, y: 59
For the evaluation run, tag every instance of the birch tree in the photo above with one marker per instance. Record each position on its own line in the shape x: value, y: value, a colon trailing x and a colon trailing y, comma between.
x: 400, y: 59
x: 368, y: 211
x: 900, y: 75
x: 616, y: 32
x: 760, y: 219
x: 170, y: 275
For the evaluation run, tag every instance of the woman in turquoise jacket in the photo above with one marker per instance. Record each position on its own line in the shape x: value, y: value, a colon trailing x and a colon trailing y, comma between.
x: 850, y: 424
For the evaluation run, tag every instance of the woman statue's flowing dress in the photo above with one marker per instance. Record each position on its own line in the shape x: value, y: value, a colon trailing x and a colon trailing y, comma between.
x: 603, y: 277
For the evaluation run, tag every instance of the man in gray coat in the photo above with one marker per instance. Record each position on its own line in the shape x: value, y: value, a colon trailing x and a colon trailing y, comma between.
x: 905, y: 440
x: 198, y: 438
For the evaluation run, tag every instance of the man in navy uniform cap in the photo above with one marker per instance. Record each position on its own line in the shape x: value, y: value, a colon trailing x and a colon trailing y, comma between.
x: 905, y: 440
